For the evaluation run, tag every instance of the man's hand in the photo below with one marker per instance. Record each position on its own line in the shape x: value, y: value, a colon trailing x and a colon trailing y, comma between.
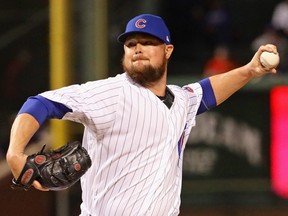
x: 255, y: 67
x: 54, y: 170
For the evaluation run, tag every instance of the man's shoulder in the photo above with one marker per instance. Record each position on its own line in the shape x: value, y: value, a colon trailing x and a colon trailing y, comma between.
x: 106, y: 81
x: 191, y: 88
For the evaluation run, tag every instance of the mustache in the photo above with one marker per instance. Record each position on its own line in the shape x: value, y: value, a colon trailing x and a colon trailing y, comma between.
x: 139, y: 57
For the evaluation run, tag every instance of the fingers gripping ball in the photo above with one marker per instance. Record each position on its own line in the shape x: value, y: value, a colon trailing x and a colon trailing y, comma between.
x: 56, y: 170
x: 269, y: 60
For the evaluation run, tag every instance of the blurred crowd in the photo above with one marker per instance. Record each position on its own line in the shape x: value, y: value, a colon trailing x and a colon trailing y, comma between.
x: 208, y: 28
x: 202, y: 31
x: 275, y: 31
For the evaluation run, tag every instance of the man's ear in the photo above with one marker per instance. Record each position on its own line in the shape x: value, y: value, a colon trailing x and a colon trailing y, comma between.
x: 169, y: 50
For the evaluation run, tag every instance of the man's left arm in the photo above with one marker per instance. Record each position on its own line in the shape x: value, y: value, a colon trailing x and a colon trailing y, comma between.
x: 226, y: 84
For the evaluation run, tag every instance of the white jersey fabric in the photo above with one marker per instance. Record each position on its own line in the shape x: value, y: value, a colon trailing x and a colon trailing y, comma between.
x: 135, y: 142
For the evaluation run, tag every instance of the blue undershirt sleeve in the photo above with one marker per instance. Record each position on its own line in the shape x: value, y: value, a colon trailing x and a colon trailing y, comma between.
x: 42, y: 108
x: 208, y: 100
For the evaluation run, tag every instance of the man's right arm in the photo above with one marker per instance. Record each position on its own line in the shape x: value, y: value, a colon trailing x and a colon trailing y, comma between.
x: 23, y: 128
x: 32, y: 114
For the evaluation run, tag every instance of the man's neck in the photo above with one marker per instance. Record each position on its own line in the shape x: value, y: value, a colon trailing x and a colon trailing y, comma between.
x: 157, y: 90
x: 159, y: 87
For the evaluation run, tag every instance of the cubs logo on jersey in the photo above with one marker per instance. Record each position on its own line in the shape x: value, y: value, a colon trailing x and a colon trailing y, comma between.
x: 187, y: 88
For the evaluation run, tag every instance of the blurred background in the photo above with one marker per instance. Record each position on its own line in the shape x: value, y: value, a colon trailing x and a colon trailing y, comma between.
x: 235, y: 161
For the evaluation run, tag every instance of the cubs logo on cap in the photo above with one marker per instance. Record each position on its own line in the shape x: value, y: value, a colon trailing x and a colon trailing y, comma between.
x: 148, y: 24
x: 140, y: 23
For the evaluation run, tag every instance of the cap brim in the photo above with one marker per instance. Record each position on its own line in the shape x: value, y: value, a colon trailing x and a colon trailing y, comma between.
x: 122, y: 38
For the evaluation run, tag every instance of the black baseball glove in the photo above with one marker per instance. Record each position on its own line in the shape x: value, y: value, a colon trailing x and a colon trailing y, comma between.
x: 56, y: 170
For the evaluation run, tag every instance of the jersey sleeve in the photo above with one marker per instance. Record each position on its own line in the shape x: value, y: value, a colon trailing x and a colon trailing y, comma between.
x: 42, y: 109
x: 91, y: 103
x: 195, y: 95
x: 208, y: 99
x: 194, y: 91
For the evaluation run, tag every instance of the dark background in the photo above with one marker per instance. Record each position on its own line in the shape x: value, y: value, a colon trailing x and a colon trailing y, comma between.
x: 233, y: 186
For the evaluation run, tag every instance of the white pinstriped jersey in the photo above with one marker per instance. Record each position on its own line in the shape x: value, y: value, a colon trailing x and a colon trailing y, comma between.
x: 132, y: 138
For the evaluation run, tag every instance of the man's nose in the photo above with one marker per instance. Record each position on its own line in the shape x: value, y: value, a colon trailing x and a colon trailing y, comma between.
x: 138, y: 48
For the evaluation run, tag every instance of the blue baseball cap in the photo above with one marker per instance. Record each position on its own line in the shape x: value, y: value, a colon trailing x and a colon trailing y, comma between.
x: 148, y: 24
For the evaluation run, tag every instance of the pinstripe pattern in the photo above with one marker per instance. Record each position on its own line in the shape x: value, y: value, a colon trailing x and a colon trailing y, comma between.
x: 132, y: 138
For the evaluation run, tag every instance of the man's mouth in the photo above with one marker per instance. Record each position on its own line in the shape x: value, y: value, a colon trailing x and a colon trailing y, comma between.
x: 139, y: 58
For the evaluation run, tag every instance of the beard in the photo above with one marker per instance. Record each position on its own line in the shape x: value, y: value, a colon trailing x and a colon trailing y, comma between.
x: 147, y: 74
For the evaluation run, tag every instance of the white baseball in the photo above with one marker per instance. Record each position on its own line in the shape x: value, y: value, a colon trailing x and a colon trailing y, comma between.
x: 269, y: 59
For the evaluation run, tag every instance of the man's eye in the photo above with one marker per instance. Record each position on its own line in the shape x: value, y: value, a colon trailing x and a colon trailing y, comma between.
x: 130, y: 44
x: 148, y: 43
